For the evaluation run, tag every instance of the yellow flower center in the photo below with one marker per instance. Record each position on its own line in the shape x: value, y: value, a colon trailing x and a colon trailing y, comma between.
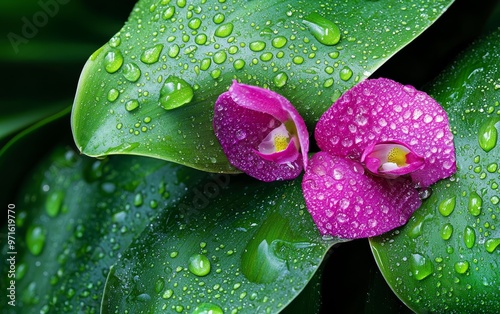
x: 398, y: 156
x: 281, y: 142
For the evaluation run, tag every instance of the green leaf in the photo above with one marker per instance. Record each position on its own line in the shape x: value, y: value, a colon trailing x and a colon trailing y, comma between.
x: 74, y: 217
x: 446, y: 258
x: 259, y: 240
x: 288, y: 46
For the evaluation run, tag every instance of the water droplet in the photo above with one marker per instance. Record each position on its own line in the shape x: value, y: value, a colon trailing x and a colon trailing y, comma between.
x: 159, y: 285
x: 475, y: 204
x: 469, y: 237
x: 175, y: 93
x: 199, y: 265
x: 215, y: 74
x: 113, y: 94
x: 167, y: 294
x: 35, y: 239
x: 151, y: 55
x: 279, y: 42
x: 205, y: 64
x: 131, y: 105
x: 421, y: 267
x: 194, y: 24
x: 298, y: 60
x: 461, y: 267
x: 131, y: 72
x: 267, y: 56
x: 53, y: 203
x: 115, y: 41
x: 181, y: 3
x: 328, y: 83
x: 224, y: 30
x: 173, y: 51
x: 280, y: 79
x: 447, y: 206
x: 220, y: 57
x: 239, y: 64
x: 345, y: 74
x: 200, y: 39
x: 219, y: 18
x: 138, y: 200
x: 207, y: 308
x: 491, y: 244
x: 113, y: 61
x: 488, y: 135
x: 324, y: 30
x: 169, y: 12
x: 416, y: 230
x: 492, y: 167
x: 446, y: 231
x: 257, y: 46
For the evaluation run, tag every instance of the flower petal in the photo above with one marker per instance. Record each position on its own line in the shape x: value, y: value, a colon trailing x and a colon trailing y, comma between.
x: 241, y: 129
x: 346, y: 202
x: 266, y: 101
x: 381, y: 110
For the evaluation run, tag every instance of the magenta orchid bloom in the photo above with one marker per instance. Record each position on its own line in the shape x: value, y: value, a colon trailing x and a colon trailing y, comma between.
x: 261, y: 133
x: 380, y: 141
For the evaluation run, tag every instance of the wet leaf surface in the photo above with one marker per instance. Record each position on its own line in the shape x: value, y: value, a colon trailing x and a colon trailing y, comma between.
x: 446, y: 258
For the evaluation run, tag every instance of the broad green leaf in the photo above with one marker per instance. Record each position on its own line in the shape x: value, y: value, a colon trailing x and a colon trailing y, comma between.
x: 446, y: 259
x: 74, y: 218
x: 285, y: 45
x: 250, y: 248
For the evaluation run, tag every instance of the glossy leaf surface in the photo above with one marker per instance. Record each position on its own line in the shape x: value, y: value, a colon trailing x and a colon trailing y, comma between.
x: 446, y: 258
x: 257, y: 253
x: 75, y: 216
x: 126, y: 102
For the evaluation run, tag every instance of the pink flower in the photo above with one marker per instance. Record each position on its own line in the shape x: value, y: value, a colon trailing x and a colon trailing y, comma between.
x: 261, y: 133
x: 379, y: 141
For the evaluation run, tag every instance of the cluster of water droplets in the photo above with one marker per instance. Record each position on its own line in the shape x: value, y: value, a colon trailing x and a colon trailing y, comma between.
x: 180, y: 42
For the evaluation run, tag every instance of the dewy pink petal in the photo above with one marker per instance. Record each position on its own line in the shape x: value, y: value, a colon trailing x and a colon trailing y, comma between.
x: 381, y: 110
x: 346, y: 202
x: 266, y: 101
x: 241, y: 129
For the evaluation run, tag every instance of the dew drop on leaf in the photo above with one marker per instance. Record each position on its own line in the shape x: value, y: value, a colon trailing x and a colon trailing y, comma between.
x: 475, y: 204
x: 207, y: 308
x: 447, y: 206
x: 324, y: 30
x: 131, y: 72
x: 488, y: 135
x: 175, y: 93
x: 35, y: 239
x: 421, y: 267
x: 199, y: 265
x: 151, y: 55
x: 113, y: 61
